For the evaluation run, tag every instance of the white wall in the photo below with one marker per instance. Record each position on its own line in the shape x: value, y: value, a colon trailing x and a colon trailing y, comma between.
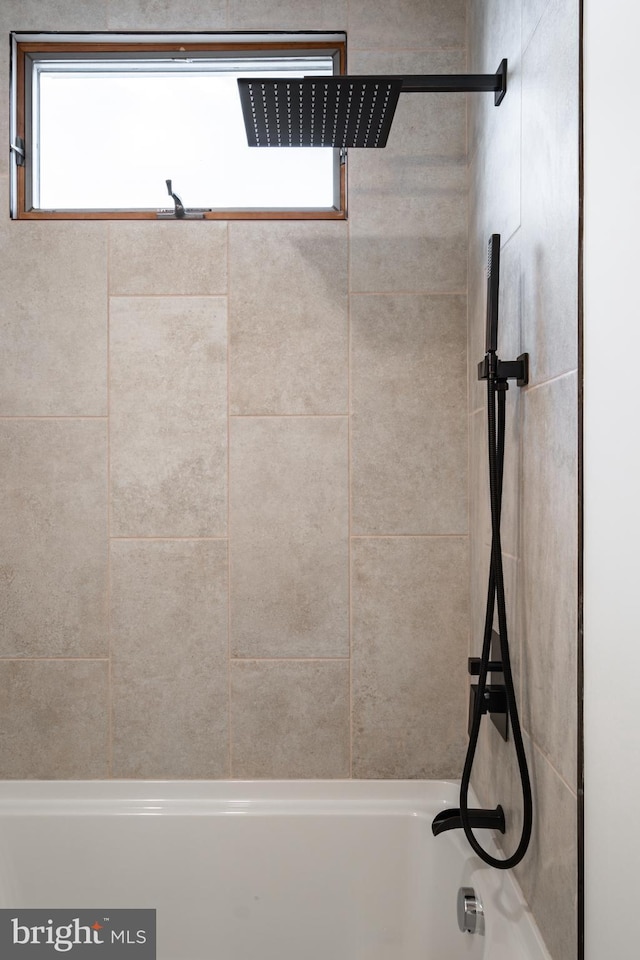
x: 612, y: 476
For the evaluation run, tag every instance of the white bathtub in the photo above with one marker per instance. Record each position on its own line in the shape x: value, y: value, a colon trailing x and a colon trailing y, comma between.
x: 262, y: 870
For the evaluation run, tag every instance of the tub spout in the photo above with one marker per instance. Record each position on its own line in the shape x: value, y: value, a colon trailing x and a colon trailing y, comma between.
x: 451, y: 820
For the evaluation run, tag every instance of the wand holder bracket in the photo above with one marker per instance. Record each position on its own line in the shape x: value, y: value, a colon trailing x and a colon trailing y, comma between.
x: 517, y: 370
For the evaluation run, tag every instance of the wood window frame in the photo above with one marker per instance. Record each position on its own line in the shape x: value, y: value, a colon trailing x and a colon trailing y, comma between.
x: 26, y: 47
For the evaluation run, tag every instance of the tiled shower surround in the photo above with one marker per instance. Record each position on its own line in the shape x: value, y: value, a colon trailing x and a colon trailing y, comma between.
x: 235, y: 460
x: 523, y: 177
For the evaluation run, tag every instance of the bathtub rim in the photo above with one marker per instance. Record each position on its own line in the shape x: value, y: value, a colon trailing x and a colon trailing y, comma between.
x: 163, y: 797
x: 208, y: 797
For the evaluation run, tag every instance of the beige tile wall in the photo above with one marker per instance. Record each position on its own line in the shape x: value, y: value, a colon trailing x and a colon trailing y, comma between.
x: 524, y: 185
x: 169, y: 649
x: 168, y: 416
x: 233, y: 505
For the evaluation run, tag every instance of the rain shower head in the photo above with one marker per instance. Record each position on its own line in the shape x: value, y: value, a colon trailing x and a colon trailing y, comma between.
x: 319, y: 111
x: 342, y: 111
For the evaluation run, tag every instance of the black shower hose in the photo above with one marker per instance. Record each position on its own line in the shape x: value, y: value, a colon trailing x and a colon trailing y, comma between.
x: 496, y: 393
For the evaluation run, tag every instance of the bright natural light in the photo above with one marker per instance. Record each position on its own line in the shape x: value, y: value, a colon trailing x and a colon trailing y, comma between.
x: 110, y: 136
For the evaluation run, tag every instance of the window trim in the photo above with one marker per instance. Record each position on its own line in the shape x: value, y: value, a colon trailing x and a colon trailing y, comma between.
x: 25, y: 48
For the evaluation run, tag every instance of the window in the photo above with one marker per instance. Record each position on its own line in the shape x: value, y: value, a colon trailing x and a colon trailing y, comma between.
x: 110, y: 125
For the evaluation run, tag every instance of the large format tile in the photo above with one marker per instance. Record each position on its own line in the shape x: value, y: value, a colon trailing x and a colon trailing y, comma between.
x: 549, y: 570
x: 290, y: 719
x: 289, y: 533
x: 532, y: 11
x: 168, y: 416
x: 550, y: 193
x: 288, y: 318
x: 53, y: 334
x: 407, y: 24
x: 288, y: 14
x: 54, y: 527
x: 479, y: 233
x: 410, y: 239
x: 38, y: 15
x: 495, y: 35
x: 409, y: 429
x: 169, y: 647
x: 167, y: 15
x: 54, y: 719
x: 409, y: 656
x: 168, y: 257
x: 407, y: 203
x: 548, y: 874
x: 495, y: 165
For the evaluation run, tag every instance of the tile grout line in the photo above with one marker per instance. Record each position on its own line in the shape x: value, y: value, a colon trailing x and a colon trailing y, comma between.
x: 229, y: 659
x: 410, y: 536
x: 391, y: 51
x: 108, y: 511
x: 288, y: 416
x: 554, y: 379
x: 168, y: 539
x: 55, y: 417
x: 168, y: 296
x: 531, y: 387
x: 54, y: 659
x: 409, y: 293
x: 290, y: 659
x: 349, y: 496
x: 538, y: 749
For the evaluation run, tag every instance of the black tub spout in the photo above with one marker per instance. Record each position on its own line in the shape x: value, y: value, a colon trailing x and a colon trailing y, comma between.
x: 451, y: 820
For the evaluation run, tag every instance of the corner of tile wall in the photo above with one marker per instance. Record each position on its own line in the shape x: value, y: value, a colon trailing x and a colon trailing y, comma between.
x: 524, y: 185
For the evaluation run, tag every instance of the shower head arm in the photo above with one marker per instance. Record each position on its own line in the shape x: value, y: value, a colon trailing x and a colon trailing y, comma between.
x: 462, y: 83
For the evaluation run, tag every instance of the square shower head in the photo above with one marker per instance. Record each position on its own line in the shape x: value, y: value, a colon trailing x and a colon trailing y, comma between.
x: 319, y: 111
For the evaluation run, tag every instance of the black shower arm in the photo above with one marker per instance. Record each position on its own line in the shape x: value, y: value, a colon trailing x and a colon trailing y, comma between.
x: 454, y: 83
x: 460, y: 83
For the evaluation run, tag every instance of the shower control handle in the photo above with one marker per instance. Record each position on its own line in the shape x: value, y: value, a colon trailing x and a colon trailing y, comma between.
x: 474, y: 666
x: 494, y: 701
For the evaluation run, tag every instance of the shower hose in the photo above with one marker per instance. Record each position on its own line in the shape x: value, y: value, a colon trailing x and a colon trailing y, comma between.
x: 496, y: 394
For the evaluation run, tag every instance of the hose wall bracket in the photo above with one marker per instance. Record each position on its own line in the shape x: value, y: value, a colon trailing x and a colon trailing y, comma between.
x: 517, y: 370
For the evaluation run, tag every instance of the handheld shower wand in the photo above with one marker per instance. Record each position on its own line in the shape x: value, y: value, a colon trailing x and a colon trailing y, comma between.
x: 497, y: 374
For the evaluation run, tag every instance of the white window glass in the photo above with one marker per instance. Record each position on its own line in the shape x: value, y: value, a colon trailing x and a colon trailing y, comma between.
x: 110, y: 140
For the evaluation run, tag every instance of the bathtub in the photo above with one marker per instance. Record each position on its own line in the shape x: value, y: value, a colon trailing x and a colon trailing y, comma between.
x: 261, y: 870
